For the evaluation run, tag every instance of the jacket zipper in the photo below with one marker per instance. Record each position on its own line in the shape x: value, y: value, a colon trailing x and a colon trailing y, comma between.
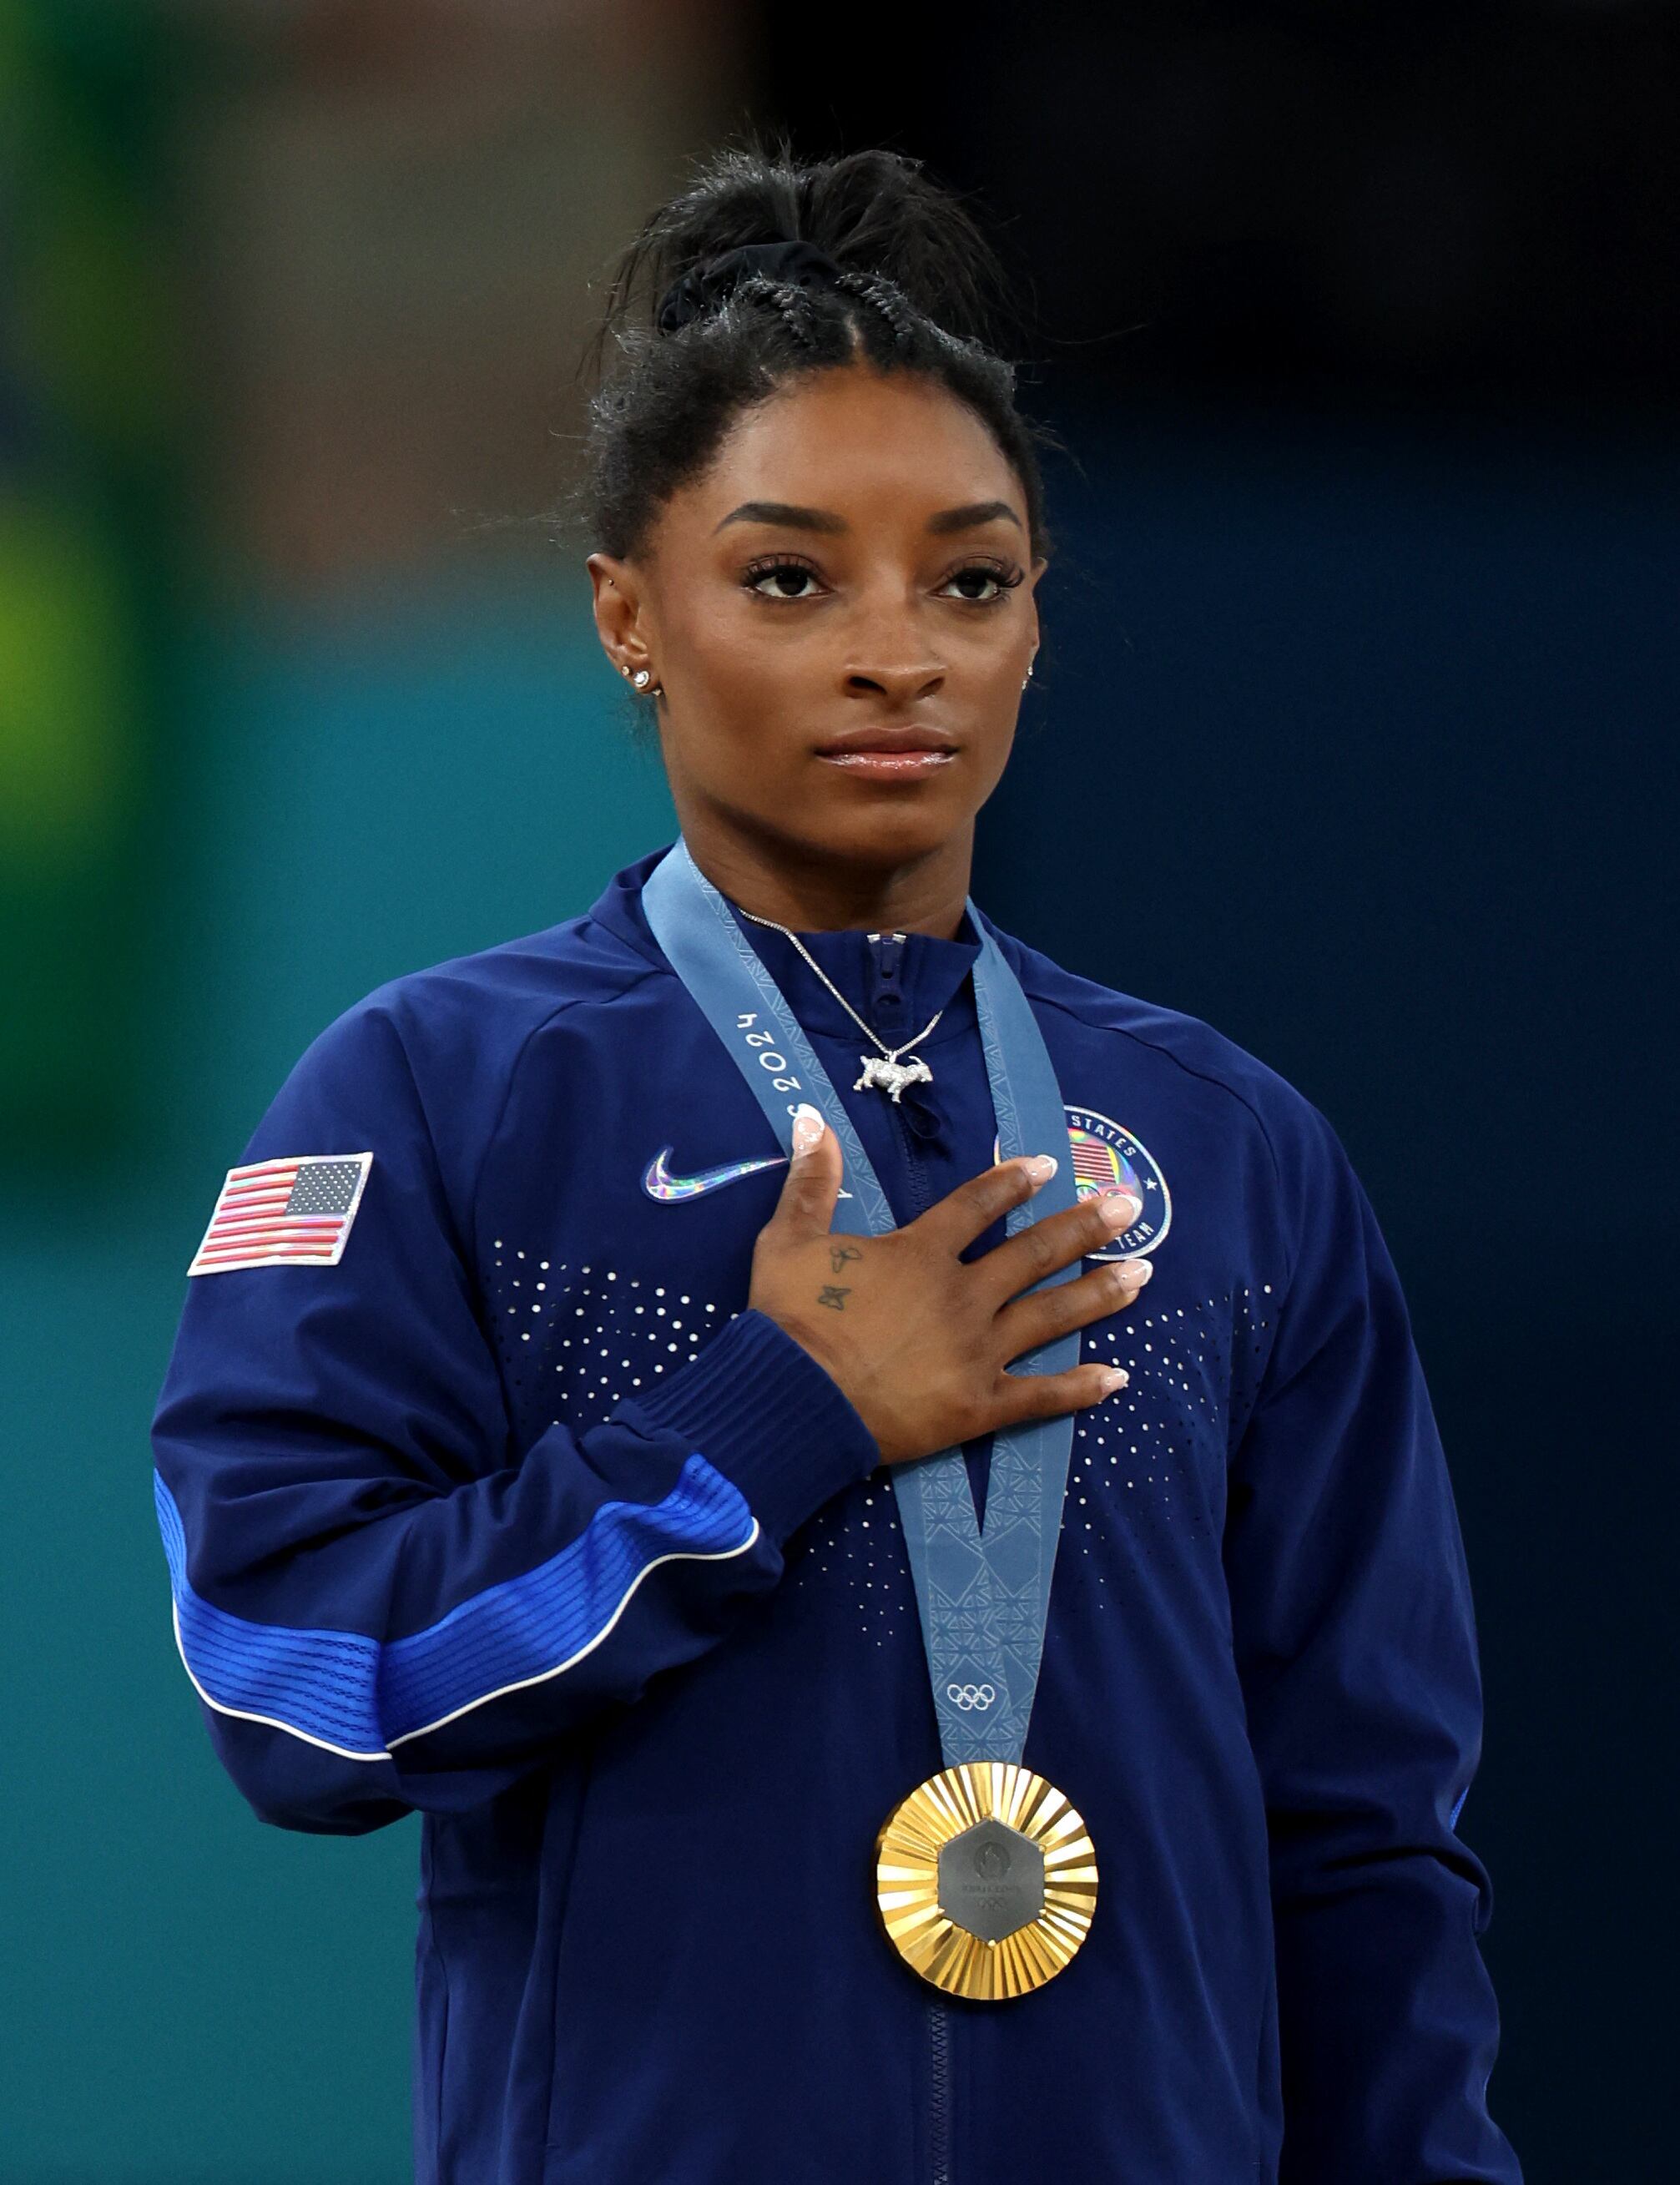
x: 888, y: 958
x: 939, y: 2133
x: 887, y: 947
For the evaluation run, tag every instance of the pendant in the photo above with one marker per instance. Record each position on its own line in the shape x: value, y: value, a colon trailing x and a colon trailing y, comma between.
x: 880, y: 1070
x: 986, y: 1880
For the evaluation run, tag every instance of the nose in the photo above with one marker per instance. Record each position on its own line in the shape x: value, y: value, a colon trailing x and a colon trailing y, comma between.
x: 900, y: 685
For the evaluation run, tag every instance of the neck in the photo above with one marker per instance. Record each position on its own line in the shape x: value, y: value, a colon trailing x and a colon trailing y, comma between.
x: 801, y: 888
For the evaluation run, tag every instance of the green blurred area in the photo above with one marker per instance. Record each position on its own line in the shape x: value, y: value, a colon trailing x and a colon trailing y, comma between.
x: 84, y: 516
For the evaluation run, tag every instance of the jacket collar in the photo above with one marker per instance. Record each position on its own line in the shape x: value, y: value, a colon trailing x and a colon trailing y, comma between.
x: 934, y: 971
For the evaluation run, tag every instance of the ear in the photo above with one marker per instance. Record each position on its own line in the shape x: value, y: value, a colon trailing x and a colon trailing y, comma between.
x: 618, y: 611
x: 1036, y: 571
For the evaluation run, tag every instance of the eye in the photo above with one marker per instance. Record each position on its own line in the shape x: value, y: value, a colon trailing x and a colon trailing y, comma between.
x: 786, y: 571
x: 1001, y: 573
x: 780, y: 566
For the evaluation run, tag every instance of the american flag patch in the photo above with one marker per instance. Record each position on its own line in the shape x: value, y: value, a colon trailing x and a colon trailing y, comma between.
x: 283, y: 1213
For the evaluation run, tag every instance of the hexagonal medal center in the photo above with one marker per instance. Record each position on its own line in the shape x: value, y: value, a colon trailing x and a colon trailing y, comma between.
x: 990, y: 1880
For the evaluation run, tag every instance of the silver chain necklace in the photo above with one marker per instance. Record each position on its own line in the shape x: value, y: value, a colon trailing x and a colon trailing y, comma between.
x: 884, y: 1070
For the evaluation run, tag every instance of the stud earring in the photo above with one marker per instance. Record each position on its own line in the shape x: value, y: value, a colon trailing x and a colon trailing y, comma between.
x: 1027, y: 678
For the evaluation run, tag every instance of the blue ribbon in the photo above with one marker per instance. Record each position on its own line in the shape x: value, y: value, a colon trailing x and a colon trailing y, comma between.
x: 984, y: 1598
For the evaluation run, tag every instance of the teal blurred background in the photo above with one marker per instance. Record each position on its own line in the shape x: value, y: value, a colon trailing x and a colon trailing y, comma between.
x: 1358, y: 646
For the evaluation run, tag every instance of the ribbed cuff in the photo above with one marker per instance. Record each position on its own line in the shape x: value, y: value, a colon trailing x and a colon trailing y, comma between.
x: 759, y: 1408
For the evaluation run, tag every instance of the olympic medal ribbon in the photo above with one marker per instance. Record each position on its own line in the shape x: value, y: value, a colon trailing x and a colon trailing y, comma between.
x: 983, y: 1597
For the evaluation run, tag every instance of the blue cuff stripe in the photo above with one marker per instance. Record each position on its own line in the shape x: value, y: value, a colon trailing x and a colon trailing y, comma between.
x: 318, y: 1682
x: 359, y: 1697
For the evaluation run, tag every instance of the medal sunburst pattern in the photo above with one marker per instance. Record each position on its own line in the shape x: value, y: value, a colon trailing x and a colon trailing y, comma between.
x: 907, y: 1880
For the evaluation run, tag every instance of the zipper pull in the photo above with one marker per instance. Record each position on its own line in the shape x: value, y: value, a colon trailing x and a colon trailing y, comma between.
x: 887, y: 954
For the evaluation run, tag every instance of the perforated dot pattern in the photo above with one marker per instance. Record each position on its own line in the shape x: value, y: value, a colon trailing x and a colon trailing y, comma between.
x: 1145, y: 1477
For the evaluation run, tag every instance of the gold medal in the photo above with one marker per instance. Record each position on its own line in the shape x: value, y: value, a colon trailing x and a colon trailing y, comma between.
x: 986, y: 1880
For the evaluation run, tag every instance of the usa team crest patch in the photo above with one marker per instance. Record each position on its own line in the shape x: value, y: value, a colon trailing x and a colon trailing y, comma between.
x: 290, y: 1213
x: 1107, y: 1157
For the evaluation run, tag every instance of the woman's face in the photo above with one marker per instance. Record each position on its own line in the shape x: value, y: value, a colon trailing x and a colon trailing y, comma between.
x: 854, y: 562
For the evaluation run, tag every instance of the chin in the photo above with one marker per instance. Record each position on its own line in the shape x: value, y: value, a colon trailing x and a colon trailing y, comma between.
x: 884, y: 830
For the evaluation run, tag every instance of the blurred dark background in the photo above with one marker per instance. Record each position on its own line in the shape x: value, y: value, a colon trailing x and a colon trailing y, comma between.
x: 1353, y: 732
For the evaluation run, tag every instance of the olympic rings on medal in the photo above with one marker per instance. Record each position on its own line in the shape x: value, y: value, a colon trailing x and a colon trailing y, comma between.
x: 968, y: 1697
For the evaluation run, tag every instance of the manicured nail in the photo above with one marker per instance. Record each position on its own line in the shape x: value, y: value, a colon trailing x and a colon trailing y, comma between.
x: 1115, y: 1377
x: 1137, y: 1270
x: 808, y: 1127
x: 1119, y: 1209
x: 1042, y: 1167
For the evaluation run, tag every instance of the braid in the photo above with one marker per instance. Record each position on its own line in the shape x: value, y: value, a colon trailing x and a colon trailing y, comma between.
x: 799, y: 313
x: 888, y: 298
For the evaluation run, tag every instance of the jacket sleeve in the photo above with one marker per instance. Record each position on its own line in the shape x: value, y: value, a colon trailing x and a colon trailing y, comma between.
x: 1356, y: 1647
x: 382, y: 1603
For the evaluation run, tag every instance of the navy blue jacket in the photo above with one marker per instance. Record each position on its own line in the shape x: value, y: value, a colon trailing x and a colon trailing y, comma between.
x: 517, y: 1515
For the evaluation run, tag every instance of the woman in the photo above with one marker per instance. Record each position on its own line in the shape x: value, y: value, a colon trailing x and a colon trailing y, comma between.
x: 548, y: 1418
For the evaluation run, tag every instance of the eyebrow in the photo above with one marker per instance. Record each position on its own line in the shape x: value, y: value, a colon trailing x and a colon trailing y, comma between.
x: 793, y: 519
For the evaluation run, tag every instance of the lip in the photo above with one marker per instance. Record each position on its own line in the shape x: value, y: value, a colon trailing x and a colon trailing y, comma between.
x: 888, y: 765
x: 913, y: 738
x: 907, y: 754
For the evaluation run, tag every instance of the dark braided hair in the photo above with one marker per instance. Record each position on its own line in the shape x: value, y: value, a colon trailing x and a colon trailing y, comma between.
x: 917, y: 290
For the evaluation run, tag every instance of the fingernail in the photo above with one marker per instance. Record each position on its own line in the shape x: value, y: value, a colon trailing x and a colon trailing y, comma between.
x: 1119, y: 1209
x: 808, y: 1127
x: 1140, y: 1271
x: 1115, y: 1377
x: 1042, y: 1167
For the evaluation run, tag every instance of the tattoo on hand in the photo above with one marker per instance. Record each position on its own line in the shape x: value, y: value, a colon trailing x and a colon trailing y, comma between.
x: 829, y: 1295
x: 839, y: 1253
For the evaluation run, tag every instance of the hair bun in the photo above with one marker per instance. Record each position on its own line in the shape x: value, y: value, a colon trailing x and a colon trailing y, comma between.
x: 798, y: 264
x: 875, y: 215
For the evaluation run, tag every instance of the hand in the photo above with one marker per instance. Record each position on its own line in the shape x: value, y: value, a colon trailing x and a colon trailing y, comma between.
x: 918, y: 1337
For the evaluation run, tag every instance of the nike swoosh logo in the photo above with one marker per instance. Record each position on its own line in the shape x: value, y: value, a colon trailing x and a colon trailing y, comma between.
x: 658, y: 1181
